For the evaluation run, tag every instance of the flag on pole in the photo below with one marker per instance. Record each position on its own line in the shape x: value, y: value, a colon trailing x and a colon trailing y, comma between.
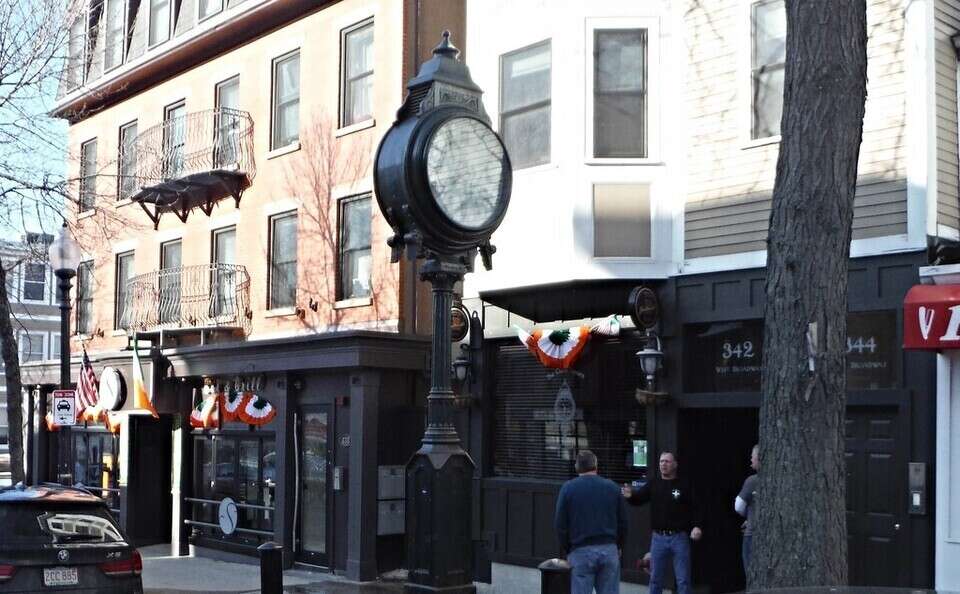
x: 87, y: 392
x: 141, y: 397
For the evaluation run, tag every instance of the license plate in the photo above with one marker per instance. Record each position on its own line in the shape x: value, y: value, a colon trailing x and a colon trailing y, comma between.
x: 60, y: 576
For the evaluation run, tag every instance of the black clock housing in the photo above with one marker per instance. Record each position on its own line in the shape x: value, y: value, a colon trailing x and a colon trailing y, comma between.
x: 439, y: 96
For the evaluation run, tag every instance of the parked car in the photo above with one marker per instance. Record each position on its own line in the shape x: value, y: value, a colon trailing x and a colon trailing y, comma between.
x: 63, y: 539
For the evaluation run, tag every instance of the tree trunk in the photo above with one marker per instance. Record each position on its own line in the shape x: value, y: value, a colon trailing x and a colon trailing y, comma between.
x: 801, y: 535
x: 14, y: 391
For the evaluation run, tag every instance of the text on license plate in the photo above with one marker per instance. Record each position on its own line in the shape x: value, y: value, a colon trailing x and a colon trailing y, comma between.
x: 60, y: 576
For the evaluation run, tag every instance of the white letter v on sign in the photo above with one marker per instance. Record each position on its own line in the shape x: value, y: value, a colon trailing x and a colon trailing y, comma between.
x: 926, y: 321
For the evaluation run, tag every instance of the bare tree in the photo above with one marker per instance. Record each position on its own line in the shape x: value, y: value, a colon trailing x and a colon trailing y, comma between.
x: 36, y: 191
x: 801, y: 535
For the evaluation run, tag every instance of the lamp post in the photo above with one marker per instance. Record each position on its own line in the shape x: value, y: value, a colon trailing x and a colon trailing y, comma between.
x: 442, y: 178
x: 64, y: 258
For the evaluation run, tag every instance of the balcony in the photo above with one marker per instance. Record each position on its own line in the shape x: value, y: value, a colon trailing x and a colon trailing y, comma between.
x: 205, y: 297
x: 193, y: 161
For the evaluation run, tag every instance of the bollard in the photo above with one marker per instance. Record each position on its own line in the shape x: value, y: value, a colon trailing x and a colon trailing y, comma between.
x: 554, y: 577
x: 271, y: 568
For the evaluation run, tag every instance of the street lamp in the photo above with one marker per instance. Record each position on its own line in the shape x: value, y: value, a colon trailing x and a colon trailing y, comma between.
x: 442, y: 178
x: 64, y: 257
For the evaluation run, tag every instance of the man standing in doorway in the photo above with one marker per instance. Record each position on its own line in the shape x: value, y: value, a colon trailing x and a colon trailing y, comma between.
x: 744, y: 504
x: 591, y: 524
x: 675, y: 522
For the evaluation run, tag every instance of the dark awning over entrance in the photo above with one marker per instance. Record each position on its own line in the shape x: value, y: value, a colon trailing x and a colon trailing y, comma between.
x: 568, y: 300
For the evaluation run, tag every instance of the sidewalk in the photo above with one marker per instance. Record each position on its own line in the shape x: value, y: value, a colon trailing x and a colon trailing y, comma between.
x: 165, y: 574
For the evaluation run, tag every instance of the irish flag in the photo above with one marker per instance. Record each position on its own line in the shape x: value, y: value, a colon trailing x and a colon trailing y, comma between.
x: 141, y: 397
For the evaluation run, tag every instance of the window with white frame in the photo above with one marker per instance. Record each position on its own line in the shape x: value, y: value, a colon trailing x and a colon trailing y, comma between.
x: 621, y: 220
x: 768, y: 53
x: 75, y: 51
x: 31, y: 346
x: 114, y: 45
x: 85, y: 298
x: 159, y: 21
x: 54, y: 346
x: 357, y: 69
x: 286, y: 101
x: 122, y: 305
x: 355, y: 256
x: 525, y: 104
x: 88, y: 175
x: 620, y: 110
x: 34, y: 283
x: 283, y: 261
x: 127, y: 161
x: 210, y: 7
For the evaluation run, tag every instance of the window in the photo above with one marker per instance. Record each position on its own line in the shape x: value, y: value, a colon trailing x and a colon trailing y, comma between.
x: 620, y: 93
x: 210, y: 7
x: 88, y: 174
x: 525, y: 105
x: 357, y: 68
x: 75, y: 52
x: 224, y: 281
x: 621, y: 220
x: 34, y: 281
x: 174, y: 139
x: 122, y: 304
x: 768, y: 54
x: 85, y: 298
x: 227, y: 141
x: 55, y: 346
x: 355, y: 257
x: 283, y: 261
x: 286, y: 101
x: 114, y: 47
x: 159, y: 21
x: 171, y: 280
x: 31, y: 346
x: 127, y: 161
x: 11, y: 283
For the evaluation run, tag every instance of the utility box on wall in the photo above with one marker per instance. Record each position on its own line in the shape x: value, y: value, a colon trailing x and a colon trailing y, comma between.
x: 391, y: 502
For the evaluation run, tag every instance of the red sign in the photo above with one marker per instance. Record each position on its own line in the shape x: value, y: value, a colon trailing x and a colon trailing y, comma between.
x: 931, y: 317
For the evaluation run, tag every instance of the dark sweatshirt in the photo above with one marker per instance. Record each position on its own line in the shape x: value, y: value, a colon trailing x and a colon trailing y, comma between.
x: 672, y: 504
x: 590, y: 511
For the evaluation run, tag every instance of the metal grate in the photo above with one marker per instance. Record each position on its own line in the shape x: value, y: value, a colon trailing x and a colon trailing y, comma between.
x: 204, y: 296
x: 529, y: 441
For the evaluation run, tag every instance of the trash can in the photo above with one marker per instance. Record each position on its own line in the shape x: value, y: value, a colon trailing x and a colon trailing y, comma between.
x: 554, y: 577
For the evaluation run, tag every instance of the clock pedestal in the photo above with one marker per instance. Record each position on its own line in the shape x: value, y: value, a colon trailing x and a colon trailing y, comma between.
x: 440, y: 474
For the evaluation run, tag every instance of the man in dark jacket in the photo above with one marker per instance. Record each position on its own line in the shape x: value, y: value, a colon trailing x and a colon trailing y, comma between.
x: 591, y: 523
x: 674, y: 519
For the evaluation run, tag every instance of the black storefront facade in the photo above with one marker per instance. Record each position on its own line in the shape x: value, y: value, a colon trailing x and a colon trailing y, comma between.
x: 712, y: 332
x: 324, y: 477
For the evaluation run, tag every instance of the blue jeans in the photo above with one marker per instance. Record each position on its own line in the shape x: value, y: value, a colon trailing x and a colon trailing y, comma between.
x: 747, y: 542
x: 595, y: 566
x: 662, y: 549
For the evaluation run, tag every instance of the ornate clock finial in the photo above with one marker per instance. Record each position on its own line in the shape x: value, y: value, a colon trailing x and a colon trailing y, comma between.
x: 445, y: 48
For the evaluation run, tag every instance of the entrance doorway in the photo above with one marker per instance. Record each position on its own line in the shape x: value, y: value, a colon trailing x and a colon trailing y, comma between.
x: 714, y: 451
x: 313, y: 492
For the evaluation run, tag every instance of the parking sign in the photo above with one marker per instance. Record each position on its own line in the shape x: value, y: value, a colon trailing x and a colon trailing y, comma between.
x: 65, y: 407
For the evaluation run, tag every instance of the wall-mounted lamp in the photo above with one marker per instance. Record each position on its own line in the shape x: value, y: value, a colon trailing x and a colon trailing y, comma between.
x: 955, y: 40
x: 466, y: 368
x: 650, y: 358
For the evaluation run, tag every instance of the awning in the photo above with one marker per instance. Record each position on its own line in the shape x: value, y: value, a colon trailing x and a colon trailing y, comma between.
x: 567, y: 300
x: 931, y: 317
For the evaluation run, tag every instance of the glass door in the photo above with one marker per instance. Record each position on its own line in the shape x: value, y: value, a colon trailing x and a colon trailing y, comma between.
x: 314, y: 536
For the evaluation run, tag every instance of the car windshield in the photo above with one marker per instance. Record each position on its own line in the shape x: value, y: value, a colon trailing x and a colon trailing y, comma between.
x: 36, y: 524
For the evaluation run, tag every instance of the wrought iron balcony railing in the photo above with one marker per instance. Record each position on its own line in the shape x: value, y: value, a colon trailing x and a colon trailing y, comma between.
x: 189, y: 297
x: 192, y: 161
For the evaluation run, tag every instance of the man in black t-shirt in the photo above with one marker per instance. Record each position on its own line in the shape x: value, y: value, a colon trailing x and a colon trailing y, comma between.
x: 675, y: 521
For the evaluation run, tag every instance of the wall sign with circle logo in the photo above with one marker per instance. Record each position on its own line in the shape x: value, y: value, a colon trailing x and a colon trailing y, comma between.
x: 644, y: 307
x: 459, y: 323
x: 113, y: 389
x: 228, y: 515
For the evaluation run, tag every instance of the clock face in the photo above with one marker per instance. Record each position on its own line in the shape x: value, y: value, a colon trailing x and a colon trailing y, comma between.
x: 465, y: 168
